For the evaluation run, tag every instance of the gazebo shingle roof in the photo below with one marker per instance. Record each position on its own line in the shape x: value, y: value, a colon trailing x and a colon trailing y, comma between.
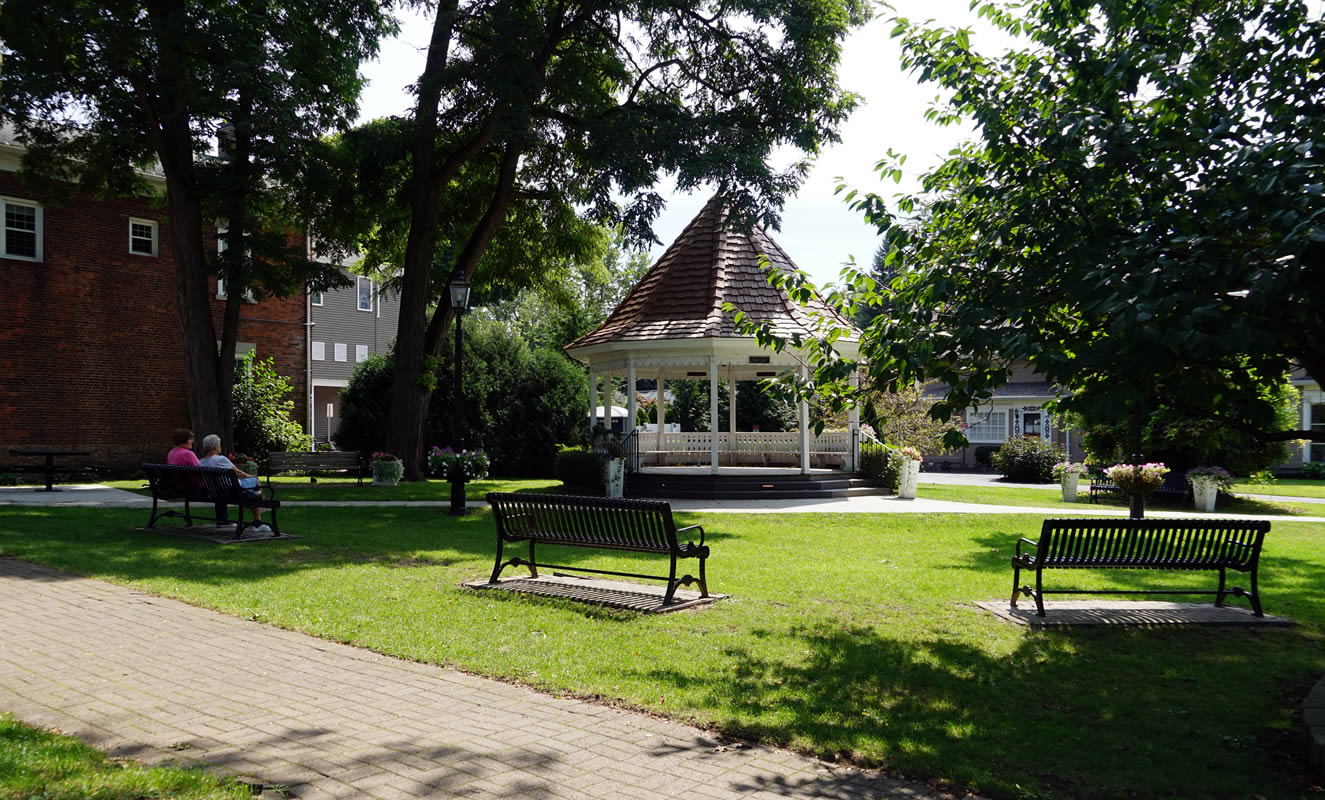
x: 681, y: 296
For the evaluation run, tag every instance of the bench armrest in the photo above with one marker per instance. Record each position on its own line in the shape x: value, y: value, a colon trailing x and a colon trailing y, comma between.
x: 680, y: 531
x: 1024, y: 540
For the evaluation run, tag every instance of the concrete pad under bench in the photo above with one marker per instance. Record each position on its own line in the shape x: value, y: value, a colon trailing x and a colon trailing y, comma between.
x: 612, y: 594
x: 1075, y: 613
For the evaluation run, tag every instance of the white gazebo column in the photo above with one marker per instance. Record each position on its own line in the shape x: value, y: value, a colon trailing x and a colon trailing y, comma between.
x: 660, y: 405
x: 805, y: 428
x: 713, y: 415
x: 853, y: 429
x: 593, y: 400
x: 631, y: 404
x: 731, y: 414
x: 607, y: 401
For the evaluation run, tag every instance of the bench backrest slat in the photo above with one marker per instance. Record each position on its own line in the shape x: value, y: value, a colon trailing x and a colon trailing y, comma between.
x: 172, y: 482
x: 628, y: 524
x: 295, y: 459
x: 1151, y: 542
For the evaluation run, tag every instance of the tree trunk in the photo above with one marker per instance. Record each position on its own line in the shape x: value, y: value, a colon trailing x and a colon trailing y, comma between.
x: 409, y: 398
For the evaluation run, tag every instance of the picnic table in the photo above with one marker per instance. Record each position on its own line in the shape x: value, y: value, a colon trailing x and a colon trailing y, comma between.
x: 49, y: 468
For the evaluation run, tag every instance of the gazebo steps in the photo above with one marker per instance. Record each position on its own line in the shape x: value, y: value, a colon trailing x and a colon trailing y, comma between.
x: 740, y: 487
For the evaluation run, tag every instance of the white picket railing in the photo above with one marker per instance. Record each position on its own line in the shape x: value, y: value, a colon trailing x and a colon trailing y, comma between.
x: 748, y: 447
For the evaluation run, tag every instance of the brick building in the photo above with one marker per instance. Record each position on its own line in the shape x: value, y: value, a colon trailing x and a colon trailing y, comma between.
x: 90, y: 340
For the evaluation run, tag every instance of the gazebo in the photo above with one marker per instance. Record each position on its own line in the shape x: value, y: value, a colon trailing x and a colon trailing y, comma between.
x: 672, y: 326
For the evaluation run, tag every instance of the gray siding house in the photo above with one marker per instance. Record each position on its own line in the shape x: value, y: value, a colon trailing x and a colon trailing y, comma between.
x: 346, y: 327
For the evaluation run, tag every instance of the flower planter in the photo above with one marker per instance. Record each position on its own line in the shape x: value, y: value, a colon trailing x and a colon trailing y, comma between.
x: 1205, y: 492
x: 614, y: 476
x: 908, y: 479
x: 1069, y: 482
x: 387, y: 473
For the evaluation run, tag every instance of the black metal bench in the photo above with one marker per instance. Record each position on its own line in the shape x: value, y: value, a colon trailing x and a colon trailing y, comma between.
x: 203, y: 485
x: 300, y: 461
x: 1172, y: 544
x: 640, y: 526
x: 1175, y: 485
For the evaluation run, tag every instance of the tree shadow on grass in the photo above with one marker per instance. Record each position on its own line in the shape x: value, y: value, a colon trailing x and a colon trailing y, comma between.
x: 1082, y: 714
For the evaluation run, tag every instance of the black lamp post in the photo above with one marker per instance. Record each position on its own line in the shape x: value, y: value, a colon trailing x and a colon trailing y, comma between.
x: 458, y: 289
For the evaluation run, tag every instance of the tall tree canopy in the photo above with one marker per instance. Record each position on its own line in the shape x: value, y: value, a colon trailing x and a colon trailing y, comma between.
x: 529, y: 111
x: 1141, y: 217
x: 97, y: 89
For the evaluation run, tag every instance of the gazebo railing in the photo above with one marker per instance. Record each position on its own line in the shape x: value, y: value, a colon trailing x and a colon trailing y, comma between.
x: 745, y: 447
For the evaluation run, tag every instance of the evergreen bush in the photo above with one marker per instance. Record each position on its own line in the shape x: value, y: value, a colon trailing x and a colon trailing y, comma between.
x: 1027, y: 460
x: 579, y: 468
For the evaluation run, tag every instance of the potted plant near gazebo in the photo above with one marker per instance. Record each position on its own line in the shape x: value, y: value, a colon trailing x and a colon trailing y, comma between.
x: 1069, y: 474
x: 1137, y: 479
x: 1206, y: 483
x: 908, y: 475
x: 463, y: 465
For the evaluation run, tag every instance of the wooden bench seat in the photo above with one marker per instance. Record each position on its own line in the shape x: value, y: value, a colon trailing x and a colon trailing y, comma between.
x: 1156, y: 544
x: 639, y: 526
x: 214, y: 485
x: 328, y: 460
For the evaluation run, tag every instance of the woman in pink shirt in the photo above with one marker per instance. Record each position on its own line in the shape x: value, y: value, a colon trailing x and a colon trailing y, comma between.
x: 182, y: 454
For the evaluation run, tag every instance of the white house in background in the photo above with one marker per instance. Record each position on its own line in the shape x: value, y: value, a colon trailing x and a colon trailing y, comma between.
x: 1313, y: 419
x: 346, y: 326
x: 1016, y: 409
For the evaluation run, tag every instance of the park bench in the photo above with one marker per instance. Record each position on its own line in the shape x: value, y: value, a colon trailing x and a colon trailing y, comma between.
x: 1175, y: 485
x: 203, y: 485
x: 639, y: 526
x: 328, y: 460
x: 1168, y: 544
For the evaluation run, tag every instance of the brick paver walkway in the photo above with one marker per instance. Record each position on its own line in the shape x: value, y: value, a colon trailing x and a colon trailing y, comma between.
x: 157, y: 679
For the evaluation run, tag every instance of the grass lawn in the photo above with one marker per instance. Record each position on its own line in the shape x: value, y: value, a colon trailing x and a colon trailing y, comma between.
x: 847, y: 636
x: 1052, y: 498
x: 42, y: 764
x: 341, y: 488
x: 1293, y: 487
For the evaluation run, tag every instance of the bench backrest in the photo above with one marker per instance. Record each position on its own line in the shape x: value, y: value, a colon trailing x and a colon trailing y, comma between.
x: 332, y: 459
x: 1165, y: 543
x: 171, y: 482
x: 599, y: 521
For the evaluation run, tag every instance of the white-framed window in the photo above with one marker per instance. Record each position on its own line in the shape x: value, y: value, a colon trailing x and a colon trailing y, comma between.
x: 221, y: 246
x: 365, y: 287
x: 1316, y: 452
x: 319, y: 351
x: 360, y: 353
x: 142, y: 237
x: 987, y: 426
x: 341, y: 352
x: 316, y: 298
x: 21, y: 236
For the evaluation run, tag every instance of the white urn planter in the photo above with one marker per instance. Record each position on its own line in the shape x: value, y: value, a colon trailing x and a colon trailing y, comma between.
x: 1205, y: 492
x: 908, y: 479
x: 1070, y: 481
x: 614, y: 476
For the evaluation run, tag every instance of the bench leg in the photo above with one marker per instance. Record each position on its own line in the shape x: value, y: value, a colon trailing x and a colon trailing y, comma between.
x: 672, y: 584
x: 1039, y: 592
x: 703, y: 581
x: 1016, y: 579
x: 1255, y: 596
x: 533, y: 563
x: 497, y: 565
x: 151, y: 521
x: 1220, y: 594
x: 275, y: 528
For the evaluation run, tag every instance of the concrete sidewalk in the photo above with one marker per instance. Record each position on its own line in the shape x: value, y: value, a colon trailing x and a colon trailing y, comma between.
x: 159, y: 680
x: 104, y: 496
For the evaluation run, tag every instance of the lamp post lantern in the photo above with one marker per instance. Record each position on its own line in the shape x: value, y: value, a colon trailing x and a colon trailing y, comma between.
x: 458, y: 289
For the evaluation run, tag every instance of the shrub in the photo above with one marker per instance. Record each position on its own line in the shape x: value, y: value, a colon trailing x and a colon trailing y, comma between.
x: 1263, y: 477
x: 1314, y: 470
x: 984, y: 454
x: 874, y: 463
x: 579, y: 468
x: 1027, y: 460
x: 263, y: 411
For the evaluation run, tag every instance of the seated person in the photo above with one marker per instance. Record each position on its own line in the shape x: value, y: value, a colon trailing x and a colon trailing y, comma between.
x: 211, y: 448
x: 182, y: 455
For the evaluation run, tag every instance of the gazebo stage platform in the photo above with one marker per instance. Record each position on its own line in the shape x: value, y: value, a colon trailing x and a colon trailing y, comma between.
x: 747, y: 483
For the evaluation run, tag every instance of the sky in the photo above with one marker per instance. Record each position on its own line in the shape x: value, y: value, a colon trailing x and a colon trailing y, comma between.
x: 818, y: 231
